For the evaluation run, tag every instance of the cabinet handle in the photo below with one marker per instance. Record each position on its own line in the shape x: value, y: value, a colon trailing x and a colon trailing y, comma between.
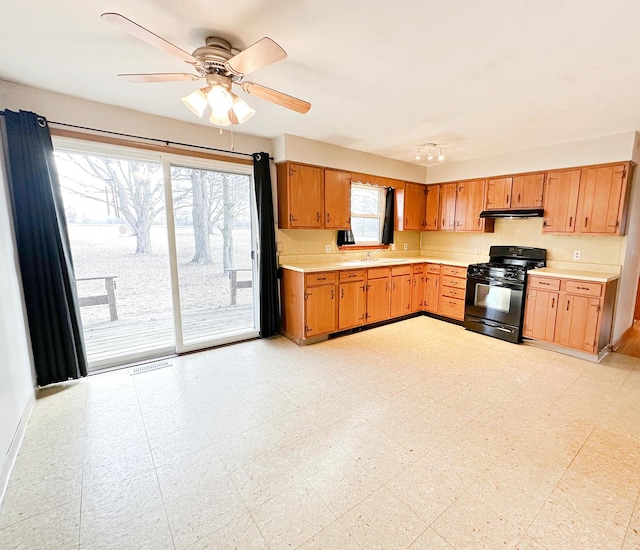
x: 406, y: 221
x: 553, y: 303
x: 322, y: 278
x: 318, y: 216
x: 328, y: 217
x: 518, y: 198
x: 332, y: 294
x: 442, y: 222
x: 570, y: 221
x: 506, y: 200
x: 568, y: 302
x: 586, y: 220
x: 582, y: 288
x: 353, y: 275
x: 342, y: 293
x: 545, y: 284
x: 386, y: 286
x: 394, y: 285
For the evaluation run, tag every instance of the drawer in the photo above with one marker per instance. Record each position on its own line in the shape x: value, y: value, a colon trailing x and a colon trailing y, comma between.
x: 451, y: 292
x: 353, y: 275
x: 453, y: 282
x: 543, y: 283
x: 450, y: 307
x: 324, y: 278
x: 401, y: 270
x: 418, y: 268
x: 583, y: 287
x: 433, y: 268
x: 454, y: 271
x: 378, y: 272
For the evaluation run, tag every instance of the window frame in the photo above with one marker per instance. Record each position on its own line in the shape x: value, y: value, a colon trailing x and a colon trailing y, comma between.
x: 380, y: 215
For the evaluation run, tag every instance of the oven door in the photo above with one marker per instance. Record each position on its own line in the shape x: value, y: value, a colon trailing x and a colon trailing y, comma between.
x: 498, y: 300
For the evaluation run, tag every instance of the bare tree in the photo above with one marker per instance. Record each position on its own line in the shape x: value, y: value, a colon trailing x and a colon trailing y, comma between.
x: 132, y: 188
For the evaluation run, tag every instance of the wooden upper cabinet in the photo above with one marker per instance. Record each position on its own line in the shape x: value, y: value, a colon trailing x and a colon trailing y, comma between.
x: 561, y: 201
x: 432, y: 211
x: 527, y: 191
x: 499, y: 193
x: 447, y: 218
x: 337, y: 199
x: 415, y: 197
x: 602, y: 200
x: 469, y: 204
x: 300, y: 196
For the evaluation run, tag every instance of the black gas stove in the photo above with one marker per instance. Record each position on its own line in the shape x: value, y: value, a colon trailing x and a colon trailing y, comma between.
x: 495, y: 294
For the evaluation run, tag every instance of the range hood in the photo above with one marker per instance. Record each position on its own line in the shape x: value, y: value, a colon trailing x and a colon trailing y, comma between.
x: 522, y: 213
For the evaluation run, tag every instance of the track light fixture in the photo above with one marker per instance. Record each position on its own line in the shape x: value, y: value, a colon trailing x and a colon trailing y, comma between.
x: 430, y: 148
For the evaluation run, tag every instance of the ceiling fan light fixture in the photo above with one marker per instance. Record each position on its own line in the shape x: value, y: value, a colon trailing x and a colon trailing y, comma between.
x: 220, y: 99
x: 242, y: 110
x: 196, y: 102
x: 220, y: 119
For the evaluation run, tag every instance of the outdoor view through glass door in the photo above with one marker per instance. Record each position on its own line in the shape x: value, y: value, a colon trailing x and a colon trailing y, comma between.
x: 151, y: 281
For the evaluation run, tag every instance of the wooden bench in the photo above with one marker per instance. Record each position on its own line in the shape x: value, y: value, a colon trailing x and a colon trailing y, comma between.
x: 234, y: 284
x: 101, y: 299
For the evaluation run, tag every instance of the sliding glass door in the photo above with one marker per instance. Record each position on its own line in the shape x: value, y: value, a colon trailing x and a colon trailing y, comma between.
x: 162, y: 250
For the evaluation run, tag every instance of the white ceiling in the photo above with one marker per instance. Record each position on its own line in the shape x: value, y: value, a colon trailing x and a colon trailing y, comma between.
x: 480, y: 78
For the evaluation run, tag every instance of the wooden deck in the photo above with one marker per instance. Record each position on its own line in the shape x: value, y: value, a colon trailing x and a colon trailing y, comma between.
x: 112, y: 339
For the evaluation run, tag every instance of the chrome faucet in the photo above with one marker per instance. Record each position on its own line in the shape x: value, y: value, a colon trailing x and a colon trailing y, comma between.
x: 370, y: 254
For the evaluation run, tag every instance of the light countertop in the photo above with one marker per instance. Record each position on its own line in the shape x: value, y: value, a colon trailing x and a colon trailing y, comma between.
x: 338, y: 264
x: 595, y: 276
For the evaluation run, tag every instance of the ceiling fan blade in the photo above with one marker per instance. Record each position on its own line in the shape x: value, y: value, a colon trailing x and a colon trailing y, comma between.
x: 260, y: 54
x: 276, y: 97
x: 159, y: 77
x: 149, y: 37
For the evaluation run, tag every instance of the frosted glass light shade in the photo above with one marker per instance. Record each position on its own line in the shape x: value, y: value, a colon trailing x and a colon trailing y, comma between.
x: 220, y: 99
x: 242, y: 111
x: 196, y: 102
x: 220, y: 119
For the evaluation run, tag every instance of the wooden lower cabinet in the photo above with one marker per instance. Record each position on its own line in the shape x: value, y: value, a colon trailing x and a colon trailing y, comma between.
x: 378, y: 297
x: 352, y: 304
x: 453, y: 284
x: 400, y: 295
x: 571, y: 313
x: 431, y: 288
x: 417, y: 288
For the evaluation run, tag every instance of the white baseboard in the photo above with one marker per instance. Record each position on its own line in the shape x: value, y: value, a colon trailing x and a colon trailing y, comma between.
x: 10, y: 459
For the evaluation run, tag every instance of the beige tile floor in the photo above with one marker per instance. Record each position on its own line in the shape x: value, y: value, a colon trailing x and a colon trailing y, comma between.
x: 414, y: 435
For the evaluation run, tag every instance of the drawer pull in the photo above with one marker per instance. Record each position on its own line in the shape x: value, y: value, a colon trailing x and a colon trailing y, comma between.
x: 353, y: 275
x: 322, y: 278
x: 582, y: 288
x: 541, y: 283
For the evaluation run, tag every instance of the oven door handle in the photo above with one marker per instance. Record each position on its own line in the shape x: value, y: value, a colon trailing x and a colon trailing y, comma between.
x: 516, y: 285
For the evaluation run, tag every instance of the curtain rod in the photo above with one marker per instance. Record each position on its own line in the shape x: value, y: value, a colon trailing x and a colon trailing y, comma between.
x: 163, y: 141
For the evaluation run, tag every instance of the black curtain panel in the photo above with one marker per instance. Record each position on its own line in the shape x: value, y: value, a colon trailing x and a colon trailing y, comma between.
x: 268, y: 264
x: 387, y: 228
x: 345, y: 236
x: 44, y: 254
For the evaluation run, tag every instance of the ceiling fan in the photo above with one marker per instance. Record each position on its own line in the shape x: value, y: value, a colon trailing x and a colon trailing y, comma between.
x: 221, y: 66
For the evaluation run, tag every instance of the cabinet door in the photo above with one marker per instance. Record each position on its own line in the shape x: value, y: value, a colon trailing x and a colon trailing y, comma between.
x: 417, y: 292
x: 602, y: 193
x: 527, y: 191
x: 353, y: 304
x: 320, y: 310
x: 378, y: 300
x: 498, y: 193
x: 561, y: 201
x: 400, y: 295
x: 540, y: 315
x: 469, y: 204
x: 306, y: 196
x: 337, y: 199
x: 448, y: 207
x: 431, y: 292
x: 414, y: 206
x: 432, y: 208
x: 577, y: 325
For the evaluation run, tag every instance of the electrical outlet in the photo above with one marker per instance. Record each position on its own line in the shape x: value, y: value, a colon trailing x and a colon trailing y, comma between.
x: 279, y: 246
x: 327, y: 248
x: 393, y: 246
x: 406, y: 246
x: 478, y: 250
x: 577, y: 254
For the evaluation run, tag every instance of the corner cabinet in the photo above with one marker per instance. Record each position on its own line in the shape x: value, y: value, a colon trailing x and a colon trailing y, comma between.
x: 572, y: 313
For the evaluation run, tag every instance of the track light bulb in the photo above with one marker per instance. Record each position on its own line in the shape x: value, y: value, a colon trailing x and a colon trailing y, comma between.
x: 440, y: 155
x: 418, y: 155
x: 429, y: 155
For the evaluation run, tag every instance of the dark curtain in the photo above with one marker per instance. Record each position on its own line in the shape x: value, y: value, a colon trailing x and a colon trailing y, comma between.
x: 44, y: 254
x: 268, y: 264
x: 345, y: 236
x: 389, y: 215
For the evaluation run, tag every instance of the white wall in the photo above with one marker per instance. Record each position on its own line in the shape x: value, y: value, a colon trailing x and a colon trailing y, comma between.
x: 16, y: 372
x: 308, y: 151
x: 72, y: 110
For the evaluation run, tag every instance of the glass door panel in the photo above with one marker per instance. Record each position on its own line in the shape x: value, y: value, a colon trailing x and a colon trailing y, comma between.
x: 117, y: 228
x: 214, y: 243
